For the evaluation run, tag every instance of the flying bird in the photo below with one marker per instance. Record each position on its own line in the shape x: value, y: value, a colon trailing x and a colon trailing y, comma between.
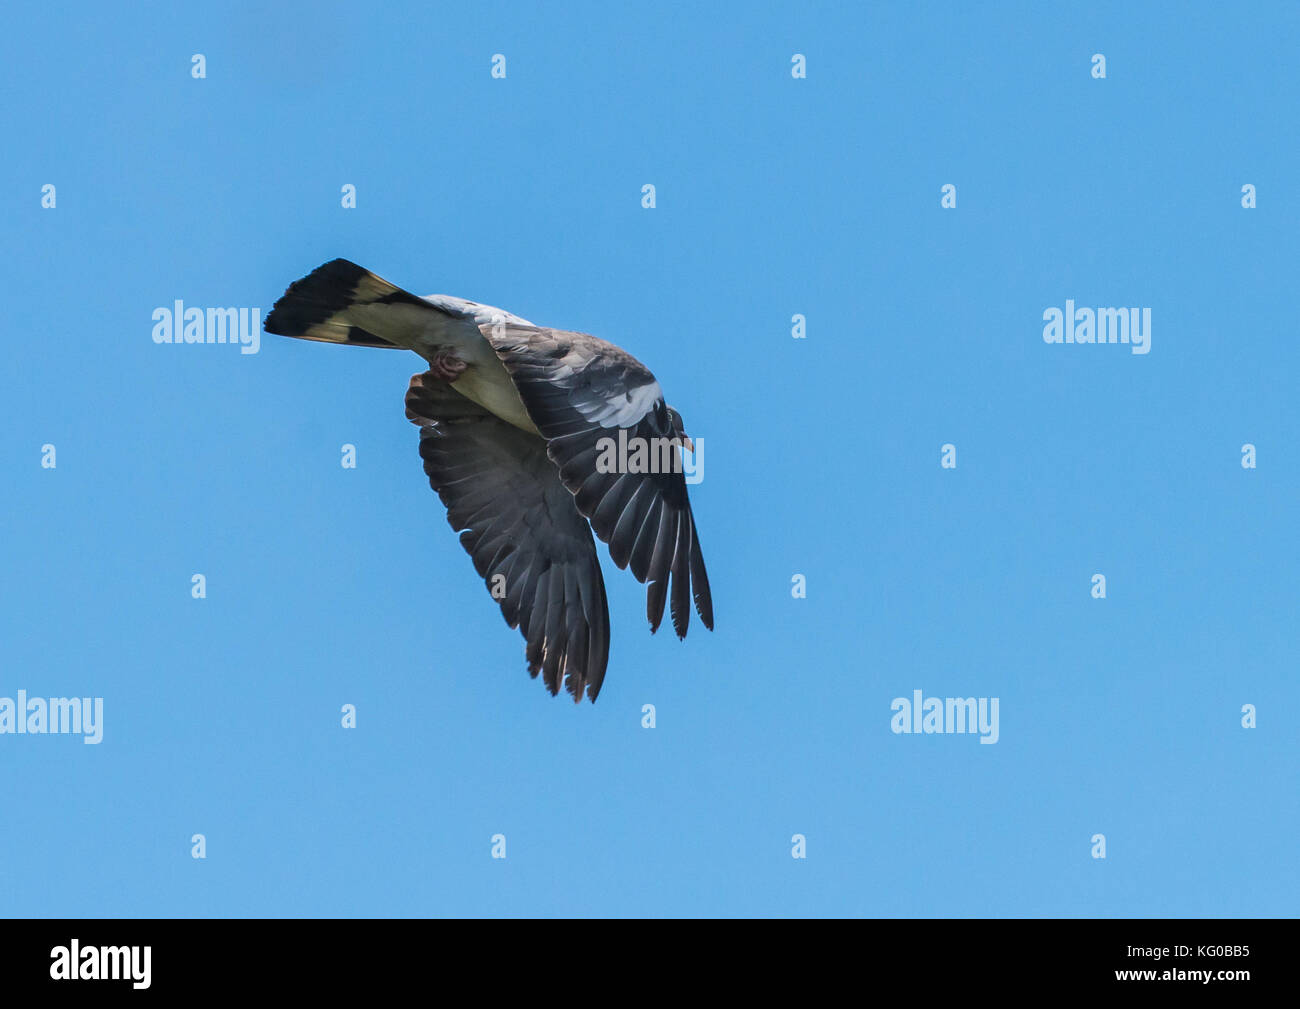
x: 514, y: 420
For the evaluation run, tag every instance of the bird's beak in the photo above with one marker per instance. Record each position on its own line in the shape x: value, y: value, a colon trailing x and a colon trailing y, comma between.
x: 690, y: 445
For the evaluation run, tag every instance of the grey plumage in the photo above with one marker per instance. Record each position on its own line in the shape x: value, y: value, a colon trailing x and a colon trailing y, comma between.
x: 512, y: 416
x: 497, y: 485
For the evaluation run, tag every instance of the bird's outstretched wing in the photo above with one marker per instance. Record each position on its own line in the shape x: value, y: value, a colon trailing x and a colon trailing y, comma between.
x: 579, y: 390
x: 521, y: 528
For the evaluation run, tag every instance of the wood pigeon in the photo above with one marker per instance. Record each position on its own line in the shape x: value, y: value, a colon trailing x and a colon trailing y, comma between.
x: 524, y: 433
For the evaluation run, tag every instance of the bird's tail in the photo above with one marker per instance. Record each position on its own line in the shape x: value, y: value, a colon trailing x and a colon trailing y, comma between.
x: 341, y: 302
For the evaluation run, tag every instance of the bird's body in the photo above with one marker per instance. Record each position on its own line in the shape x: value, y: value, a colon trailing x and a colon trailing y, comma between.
x: 512, y: 418
x: 455, y: 329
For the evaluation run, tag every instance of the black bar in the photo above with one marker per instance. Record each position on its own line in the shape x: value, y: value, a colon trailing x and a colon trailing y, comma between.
x: 375, y: 957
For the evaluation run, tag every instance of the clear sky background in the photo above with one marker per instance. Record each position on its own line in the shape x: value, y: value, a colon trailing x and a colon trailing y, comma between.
x: 776, y: 196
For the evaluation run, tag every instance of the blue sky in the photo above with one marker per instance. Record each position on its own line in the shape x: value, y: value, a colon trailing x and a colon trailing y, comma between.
x: 775, y: 196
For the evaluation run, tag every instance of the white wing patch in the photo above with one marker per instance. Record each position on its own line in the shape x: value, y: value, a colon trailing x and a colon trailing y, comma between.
x: 625, y: 410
